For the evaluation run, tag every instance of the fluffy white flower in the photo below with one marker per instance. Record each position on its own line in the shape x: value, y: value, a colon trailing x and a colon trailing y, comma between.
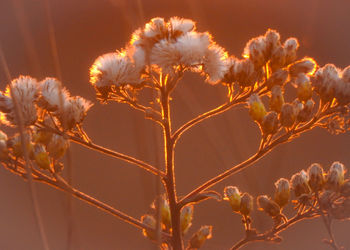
x: 165, y: 55
x: 113, y: 69
x: 155, y: 28
x: 74, y: 111
x: 53, y: 95
x: 25, y: 89
x: 216, y: 63
x: 192, y: 47
x: 181, y: 25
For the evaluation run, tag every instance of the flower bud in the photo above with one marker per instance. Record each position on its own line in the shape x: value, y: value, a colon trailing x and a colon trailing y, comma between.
x: 278, y: 58
x: 290, y: 46
x: 282, y: 192
x: 42, y: 136
x: 272, y: 38
x: 276, y: 99
x: 255, y: 49
x: 246, y: 204
x: 316, y: 177
x: 306, y: 112
x: 304, y: 89
x: 303, y: 66
x: 288, y: 115
x: 233, y: 195
x: 325, y: 82
x: 278, y: 77
x: 57, y: 146
x: 198, y: 239
x: 300, y: 184
x: 245, y: 73
x: 268, y: 206
x: 186, y: 217
x: 150, y: 221
x: 269, y: 124
x: 41, y: 157
x: 16, y: 145
x: 256, y: 108
x: 335, y: 177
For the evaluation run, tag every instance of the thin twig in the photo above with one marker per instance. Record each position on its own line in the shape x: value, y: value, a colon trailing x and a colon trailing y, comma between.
x: 109, y: 152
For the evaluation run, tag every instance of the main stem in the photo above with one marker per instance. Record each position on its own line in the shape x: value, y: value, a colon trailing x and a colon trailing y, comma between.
x: 170, y: 176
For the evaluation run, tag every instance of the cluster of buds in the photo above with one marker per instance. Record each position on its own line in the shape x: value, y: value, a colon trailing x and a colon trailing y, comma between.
x: 43, y: 148
x: 33, y: 98
x: 161, y: 205
x: 240, y: 203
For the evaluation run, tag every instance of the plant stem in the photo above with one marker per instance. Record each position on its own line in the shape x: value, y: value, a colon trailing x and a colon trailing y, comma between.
x: 170, y: 176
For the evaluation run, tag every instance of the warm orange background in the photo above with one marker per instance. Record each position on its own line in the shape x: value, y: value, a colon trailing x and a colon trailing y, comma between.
x: 87, y: 28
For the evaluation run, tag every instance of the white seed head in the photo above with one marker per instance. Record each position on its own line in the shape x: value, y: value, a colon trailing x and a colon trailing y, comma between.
x: 326, y: 81
x: 335, y: 177
x: 290, y: 46
x: 299, y: 183
x: 316, y: 177
x: 114, y: 69
x: 181, y: 25
x: 215, y: 63
x: 282, y: 192
x: 192, y: 47
x: 165, y: 55
x: 156, y: 28
x: 53, y: 95
x: 303, y: 66
x: 246, y: 204
x: 255, y: 50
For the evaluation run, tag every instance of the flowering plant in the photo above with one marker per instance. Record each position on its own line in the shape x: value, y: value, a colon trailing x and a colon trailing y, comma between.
x: 48, y: 118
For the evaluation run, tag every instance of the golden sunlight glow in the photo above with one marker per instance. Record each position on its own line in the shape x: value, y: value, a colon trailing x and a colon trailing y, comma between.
x: 315, y: 67
x: 245, y: 56
x: 94, y: 72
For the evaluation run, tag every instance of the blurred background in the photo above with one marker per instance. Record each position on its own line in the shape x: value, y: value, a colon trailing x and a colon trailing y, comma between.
x: 85, y: 29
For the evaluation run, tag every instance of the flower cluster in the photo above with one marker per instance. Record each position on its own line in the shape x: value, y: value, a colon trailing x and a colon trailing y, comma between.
x: 314, y: 191
x: 34, y: 98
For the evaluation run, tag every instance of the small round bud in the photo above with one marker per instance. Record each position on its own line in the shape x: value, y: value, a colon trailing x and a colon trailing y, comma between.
x: 150, y: 221
x: 268, y: 206
x: 304, y: 88
x: 57, y: 146
x: 233, y: 195
x: 278, y: 77
x: 186, y: 217
x: 303, y: 66
x: 272, y: 38
x: 255, y: 50
x: 278, y: 58
x: 282, y: 192
x: 246, y: 204
x: 325, y: 82
x: 299, y: 183
x: 41, y: 157
x: 290, y: 46
x: 276, y: 99
x: 269, y: 124
x: 305, y: 113
x: 335, y: 177
x: 165, y: 212
x: 198, y: 239
x: 256, y: 108
x: 288, y: 115
x: 316, y: 177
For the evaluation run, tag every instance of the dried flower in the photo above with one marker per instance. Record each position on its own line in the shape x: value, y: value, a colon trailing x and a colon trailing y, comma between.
x: 215, y: 63
x: 53, y: 96
x: 304, y: 88
x: 303, y: 66
x: 282, y: 192
x: 270, y: 123
x: 325, y: 82
x: 272, y: 38
x: 57, y: 146
x: 278, y: 77
x: 305, y: 113
x: 316, y: 177
x: 256, y: 108
x: 268, y: 206
x: 114, y: 69
x: 198, y: 239
x: 180, y: 26
x: 299, y: 183
x: 335, y: 176
x: 186, y: 217
x: 246, y: 204
x: 233, y: 195
x: 290, y: 47
x: 288, y: 115
x: 244, y: 73
x: 74, y: 111
x: 255, y: 50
